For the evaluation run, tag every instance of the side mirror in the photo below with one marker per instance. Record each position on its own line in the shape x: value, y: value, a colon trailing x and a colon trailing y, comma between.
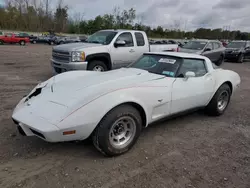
x: 119, y: 43
x: 207, y: 49
x: 189, y: 74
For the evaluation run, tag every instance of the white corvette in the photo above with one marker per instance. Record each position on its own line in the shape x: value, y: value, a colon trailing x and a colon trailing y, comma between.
x: 112, y: 107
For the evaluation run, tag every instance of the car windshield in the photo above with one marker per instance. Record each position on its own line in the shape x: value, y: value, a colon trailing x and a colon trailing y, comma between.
x: 158, y: 64
x: 195, y: 45
x: 236, y: 45
x: 102, y: 37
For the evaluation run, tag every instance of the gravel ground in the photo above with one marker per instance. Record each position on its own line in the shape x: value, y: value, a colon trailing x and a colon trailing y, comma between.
x: 191, y: 151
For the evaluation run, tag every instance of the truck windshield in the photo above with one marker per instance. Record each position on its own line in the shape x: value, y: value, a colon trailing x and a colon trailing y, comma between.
x: 236, y: 45
x: 158, y: 64
x: 195, y: 45
x: 102, y: 37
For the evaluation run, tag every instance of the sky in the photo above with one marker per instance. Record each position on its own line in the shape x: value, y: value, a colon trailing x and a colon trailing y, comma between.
x: 183, y: 14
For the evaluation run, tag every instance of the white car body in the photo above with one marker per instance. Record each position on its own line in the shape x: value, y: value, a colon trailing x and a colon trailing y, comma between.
x: 78, y: 100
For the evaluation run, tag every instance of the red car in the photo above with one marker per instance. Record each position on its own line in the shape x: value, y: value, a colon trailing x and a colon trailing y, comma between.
x: 11, y: 39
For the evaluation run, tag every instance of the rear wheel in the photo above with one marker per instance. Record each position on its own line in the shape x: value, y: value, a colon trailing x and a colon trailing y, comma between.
x: 118, y: 131
x: 97, y: 65
x: 1, y: 42
x: 220, y: 101
x: 34, y: 42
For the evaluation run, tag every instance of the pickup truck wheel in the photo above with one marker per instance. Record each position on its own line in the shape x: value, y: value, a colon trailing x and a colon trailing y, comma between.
x: 1, y: 42
x: 97, y: 65
x: 22, y: 42
x: 118, y: 131
x: 240, y: 59
x: 220, y: 101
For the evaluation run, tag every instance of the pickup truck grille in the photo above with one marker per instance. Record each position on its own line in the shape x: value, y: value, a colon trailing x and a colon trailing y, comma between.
x: 61, y: 56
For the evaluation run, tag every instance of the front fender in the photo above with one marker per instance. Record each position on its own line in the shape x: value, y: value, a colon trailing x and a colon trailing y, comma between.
x: 89, y: 115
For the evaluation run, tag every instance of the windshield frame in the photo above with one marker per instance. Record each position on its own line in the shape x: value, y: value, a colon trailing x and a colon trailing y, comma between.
x: 104, y: 42
x: 160, y: 56
x: 195, y: 41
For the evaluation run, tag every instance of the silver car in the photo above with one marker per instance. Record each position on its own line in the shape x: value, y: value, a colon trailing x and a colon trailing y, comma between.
x: 212, y: 49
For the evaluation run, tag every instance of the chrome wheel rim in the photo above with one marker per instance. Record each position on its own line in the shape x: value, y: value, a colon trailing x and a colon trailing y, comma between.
x: 98, y: 68
x: 223, y: 100
x: 122, y: 132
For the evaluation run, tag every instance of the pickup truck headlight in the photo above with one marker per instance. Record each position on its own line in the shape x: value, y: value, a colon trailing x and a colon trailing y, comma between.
x: 78, y: 56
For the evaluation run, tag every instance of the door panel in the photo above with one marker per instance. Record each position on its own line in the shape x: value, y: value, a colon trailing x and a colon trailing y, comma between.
x: 209, y: 54
x: 123, y: 55
x: 192, y: 93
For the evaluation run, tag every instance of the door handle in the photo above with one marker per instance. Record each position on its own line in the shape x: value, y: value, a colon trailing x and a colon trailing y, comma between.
x: 131, y: 51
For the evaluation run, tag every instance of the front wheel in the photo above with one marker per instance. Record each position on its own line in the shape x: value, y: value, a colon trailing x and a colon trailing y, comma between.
x: 22, y: 42
x: 220, y: 61
x: 219, y: 103
x: 97, y: 65
x: 118, y: 131
x: 240, y: 59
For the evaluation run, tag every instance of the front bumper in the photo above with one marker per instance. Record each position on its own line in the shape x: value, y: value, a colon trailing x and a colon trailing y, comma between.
x: 232, y: 56
x: 59, y: 67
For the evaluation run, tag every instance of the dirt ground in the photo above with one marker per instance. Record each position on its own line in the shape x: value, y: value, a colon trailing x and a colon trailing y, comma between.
x: 191, y: 151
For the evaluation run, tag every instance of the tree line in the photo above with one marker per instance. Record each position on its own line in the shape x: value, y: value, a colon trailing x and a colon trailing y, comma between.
x: 37, y: 16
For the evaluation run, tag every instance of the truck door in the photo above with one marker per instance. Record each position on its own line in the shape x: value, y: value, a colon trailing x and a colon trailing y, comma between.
x: 122, y: 56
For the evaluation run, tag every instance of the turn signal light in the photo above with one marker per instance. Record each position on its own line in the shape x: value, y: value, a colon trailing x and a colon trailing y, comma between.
x: 69, y: 132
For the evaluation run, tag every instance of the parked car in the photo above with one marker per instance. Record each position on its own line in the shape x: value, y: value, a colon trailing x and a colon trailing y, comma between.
x: 104, y: 50
x: 26, y: 35
x: 66, y: 40
x: 13, y: 39
x: 237, y: 51
x: 112, y: 107
x: 212, y: 49
x: 46, y: 39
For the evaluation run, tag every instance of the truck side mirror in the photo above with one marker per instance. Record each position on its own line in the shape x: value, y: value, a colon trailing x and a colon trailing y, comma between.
x: 119, y: 43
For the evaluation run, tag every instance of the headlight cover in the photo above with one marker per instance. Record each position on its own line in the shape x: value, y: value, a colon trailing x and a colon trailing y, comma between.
x: 78, y: 56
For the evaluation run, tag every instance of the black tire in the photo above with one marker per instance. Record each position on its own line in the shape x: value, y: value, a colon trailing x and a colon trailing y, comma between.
x: 220, y: 61
x: 101, y: 135
x: 213, y: 107
x: 51, y: 43
x: 22, y: 43
x: 1, y: 42
x: 96, y: 65
x: 240, y: 58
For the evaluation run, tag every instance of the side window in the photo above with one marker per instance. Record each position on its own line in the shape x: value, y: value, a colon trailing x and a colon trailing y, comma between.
x: 194, y: 65
x: 127, y: 37
x: 209, y: 45
x: 139, y: 39
x: 216, y: 45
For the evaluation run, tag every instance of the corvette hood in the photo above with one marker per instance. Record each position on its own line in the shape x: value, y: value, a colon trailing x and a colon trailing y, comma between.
x: 66, y: 92
x: 87, y: 85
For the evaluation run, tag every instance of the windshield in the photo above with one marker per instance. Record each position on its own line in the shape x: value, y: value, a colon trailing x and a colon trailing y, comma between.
x: 195, y: 45
x: 102, y: 37
x: 236, y: 45
x: 158, y: 64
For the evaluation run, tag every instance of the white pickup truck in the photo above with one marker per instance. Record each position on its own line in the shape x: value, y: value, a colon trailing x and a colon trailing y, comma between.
x: 105, y: 50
